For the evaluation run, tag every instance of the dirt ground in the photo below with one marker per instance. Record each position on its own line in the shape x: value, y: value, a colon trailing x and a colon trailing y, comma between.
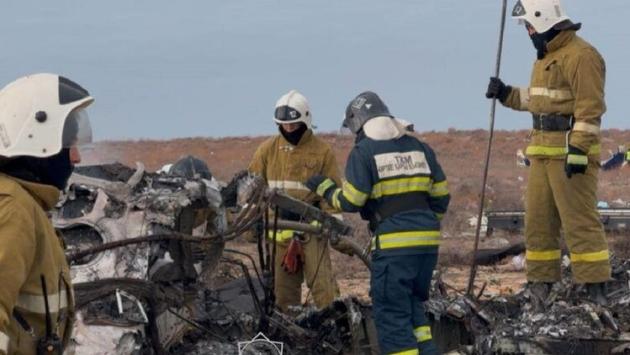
x: 461, y: 154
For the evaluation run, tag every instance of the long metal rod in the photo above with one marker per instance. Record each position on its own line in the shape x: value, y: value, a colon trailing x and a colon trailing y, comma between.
x: 473, y: 269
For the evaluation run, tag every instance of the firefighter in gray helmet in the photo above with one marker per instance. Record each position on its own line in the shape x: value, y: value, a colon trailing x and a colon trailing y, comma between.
x: 42, y: 120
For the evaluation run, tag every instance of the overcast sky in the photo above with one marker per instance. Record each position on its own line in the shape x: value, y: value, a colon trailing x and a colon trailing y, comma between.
x: 164, y: 69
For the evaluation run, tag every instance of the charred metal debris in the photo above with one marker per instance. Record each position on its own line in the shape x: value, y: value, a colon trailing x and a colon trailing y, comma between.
x: 145, y: 249
x: 564, y: 322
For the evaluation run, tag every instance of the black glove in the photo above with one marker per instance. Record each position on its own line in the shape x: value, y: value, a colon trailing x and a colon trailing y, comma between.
x: 497, y: 89
x: 321, y: 185
x: 576, y: 162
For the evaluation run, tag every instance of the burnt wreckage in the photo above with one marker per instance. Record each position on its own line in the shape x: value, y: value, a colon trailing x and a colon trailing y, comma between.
x: 144, y: 249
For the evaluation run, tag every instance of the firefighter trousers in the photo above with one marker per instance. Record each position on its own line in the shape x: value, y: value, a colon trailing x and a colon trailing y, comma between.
x: 555, y: 202
x: 323, y: 285
x: 399, y: 286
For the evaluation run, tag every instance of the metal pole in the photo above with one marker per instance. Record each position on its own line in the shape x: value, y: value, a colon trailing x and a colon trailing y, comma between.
x: 473, y: 269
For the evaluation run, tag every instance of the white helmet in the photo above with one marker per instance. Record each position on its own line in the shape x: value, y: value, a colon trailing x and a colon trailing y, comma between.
x: 42, y: 113
x: 542, y: 15
x: 293, y: 107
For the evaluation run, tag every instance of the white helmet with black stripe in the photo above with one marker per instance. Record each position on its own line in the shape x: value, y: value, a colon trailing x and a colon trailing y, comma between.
x: 542, y: 15
x: 293, y: 107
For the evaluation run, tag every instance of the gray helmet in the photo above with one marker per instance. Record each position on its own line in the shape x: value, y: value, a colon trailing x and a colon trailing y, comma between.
x: 363, y: 108
x: 191, y: 168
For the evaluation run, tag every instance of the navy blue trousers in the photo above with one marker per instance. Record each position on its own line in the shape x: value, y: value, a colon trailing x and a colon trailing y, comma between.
x: 399, y: 286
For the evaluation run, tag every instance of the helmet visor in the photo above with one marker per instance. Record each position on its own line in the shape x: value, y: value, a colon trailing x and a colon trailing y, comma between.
x: 287, y: 114
x: 77, y: 129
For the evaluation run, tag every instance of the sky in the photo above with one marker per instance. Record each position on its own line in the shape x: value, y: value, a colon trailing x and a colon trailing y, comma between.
x: 162, y: 69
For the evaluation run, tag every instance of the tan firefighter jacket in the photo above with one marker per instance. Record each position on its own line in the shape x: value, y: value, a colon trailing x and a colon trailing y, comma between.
x: 569, y: 80
x: 287, y: 167
x: 29, y: 247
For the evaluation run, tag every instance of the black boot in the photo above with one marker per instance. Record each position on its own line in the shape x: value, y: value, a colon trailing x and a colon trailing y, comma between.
x: 597, y: 293
x: 538, y: 294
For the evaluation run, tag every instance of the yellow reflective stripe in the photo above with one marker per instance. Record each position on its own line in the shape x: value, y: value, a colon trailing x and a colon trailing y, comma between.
x: 287, y: 185
x: 576, y: 159
x: 325, y: 185
x: 4, y: 342
x: 628, y: 155
x: 353, y: 195
x: 524, y: 95
x: 335, y: 199
x: 423, y: 333
x: 589, y: 257
x: 440, y: 216
x: 551, y: 93
x: 281, y: 235
x: 542, y: 150
x: 439, y: 189
x: 401, y: 186
x: 407, y: 239
x: 543, y: 255
x: 586, y: 127
x: 35, y: 303
x: 406, y: 352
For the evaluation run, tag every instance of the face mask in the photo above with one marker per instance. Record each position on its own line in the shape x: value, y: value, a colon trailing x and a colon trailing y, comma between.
x: 54, y: 171
x: 540, y: 41
x: 295, y: 136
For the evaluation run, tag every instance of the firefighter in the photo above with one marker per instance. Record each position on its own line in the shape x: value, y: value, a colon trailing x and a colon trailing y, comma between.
x: 285, y: 162
x: 42, y: 120
x: 395, y: 181
x: 566, y: 99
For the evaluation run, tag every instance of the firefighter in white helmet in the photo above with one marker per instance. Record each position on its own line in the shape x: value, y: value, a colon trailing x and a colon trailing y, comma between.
x: 42, y: 120
x: 286, y: 161
x: 566, y: 99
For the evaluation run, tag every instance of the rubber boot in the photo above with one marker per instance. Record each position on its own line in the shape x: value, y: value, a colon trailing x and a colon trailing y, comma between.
x: 538, y: 294
x: 597, y: 293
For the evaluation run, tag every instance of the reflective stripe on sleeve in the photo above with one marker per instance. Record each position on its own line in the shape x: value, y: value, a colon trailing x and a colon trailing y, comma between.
x: 406, y: 352
x: 353, y: 195
x: 423, y: 333
x: 282, y: 235
x: 335, y: 199
x: 524, y: 95
x: 400, y: 186
x: 35, y: 303
x: 325, y: 185
x: 577, y: 159
x: 543, y: 255
x: 586, y: 127
x: 439, y: 189
x: 4, y: 342
x: 589, y: 257
x: 287, y: 185
x: 551, y: 93
x: 407, y: 239
x: 628, y: 155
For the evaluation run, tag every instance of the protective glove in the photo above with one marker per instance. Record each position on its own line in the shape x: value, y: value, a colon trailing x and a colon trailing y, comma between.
x: 293, y: 258
x: 321, y: 185
x: 342, y: 246
x: 497, y: 89
x: 576, y: 162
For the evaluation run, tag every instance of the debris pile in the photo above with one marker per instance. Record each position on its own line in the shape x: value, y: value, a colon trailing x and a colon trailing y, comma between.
x: 518, y: 325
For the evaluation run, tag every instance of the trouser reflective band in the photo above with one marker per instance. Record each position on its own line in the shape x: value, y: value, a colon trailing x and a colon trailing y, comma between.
x: 36, y: 304
x: 423, y: 333
x: 406, y: 352
x: 543, y: 255
x: 589, y: 257
x: 281, y: 235
x: 4, y: 342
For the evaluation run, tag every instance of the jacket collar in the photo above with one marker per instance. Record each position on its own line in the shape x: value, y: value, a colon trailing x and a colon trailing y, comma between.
x: 384, y: 128
x: 46, y: 196
x: 561, y: 40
